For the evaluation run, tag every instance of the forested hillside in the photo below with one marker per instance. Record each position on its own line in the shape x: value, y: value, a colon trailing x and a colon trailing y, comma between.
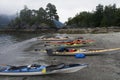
x: 103, y: 16
x: 35, y: 19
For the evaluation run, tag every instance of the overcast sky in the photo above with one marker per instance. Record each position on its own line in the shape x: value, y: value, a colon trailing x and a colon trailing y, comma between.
x: 65, y: 8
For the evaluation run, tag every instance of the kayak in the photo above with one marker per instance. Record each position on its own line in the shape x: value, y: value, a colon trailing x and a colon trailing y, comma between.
x: 36, y: 69
x: 77, y: 45
x: 71, y: 52
x: 53, y: 39
x: 76, y: 41
x: 70, y: 45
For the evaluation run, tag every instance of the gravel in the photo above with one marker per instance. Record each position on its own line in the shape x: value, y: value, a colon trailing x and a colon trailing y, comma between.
x: 102, y: 67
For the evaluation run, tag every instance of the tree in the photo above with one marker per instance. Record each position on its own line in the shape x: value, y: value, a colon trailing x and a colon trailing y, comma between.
x: 26, y: 14
x: 98, y: 15
x: 84, y: 19
x: 51, y: 12
x: 117, y: 20
x: 101, y: 17
x: 42, y: 15
x: 28, y: 18
x: 109, y: 16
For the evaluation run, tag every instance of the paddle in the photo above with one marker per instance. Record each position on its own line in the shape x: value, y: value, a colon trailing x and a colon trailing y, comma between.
x: 80, y: 55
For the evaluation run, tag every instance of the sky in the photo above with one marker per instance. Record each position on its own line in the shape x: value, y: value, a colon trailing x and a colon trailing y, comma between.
x: 65, y: 8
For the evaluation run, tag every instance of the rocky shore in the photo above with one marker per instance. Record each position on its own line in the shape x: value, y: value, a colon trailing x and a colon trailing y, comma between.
x: 67, y: 31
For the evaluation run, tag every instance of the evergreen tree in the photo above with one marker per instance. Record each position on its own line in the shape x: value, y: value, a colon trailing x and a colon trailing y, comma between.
x: 98, y: 15
x: 28, y: 18
x: 109, y: 16
x: 102, y: 17
x: 51, y: 12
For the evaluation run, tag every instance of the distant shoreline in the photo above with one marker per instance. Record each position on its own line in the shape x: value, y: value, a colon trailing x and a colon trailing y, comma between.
x: 67, y: 31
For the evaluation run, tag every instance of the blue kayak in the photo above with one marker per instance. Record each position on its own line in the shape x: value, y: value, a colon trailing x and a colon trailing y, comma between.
x: 36, y: 69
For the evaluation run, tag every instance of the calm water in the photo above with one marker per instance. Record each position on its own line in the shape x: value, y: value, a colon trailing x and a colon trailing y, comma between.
x: 18, y: 49
x: 12, y: 46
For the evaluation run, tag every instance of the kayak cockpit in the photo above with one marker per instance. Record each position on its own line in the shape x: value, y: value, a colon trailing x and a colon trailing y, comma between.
x: 29, y: 68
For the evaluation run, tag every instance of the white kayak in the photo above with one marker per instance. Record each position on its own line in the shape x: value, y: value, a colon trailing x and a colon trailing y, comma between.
x: 35, y: 69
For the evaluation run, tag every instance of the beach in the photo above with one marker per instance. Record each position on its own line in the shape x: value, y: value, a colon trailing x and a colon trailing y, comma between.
x: 100, y: 67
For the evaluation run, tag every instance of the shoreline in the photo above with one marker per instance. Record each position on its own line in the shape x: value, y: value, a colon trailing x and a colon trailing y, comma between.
x: 101, y: 67
x: 67, y: 31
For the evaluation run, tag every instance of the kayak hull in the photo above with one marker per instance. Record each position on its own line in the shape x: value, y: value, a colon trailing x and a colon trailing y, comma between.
x: 50, y: 52
x: 55, y: 71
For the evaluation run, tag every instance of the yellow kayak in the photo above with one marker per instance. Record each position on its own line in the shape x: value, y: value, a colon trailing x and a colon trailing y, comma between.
x: 79, y: 51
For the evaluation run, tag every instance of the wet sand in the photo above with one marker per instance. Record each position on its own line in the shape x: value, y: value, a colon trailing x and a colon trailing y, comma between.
x: 102, y: 67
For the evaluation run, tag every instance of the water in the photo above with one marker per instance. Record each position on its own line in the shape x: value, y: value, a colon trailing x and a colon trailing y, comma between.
x: 12, y: 47
x: 18, y: 49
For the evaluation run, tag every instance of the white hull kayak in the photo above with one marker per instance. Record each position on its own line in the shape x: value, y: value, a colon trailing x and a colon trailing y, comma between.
x: 52, y: 39
x: 55, y: 71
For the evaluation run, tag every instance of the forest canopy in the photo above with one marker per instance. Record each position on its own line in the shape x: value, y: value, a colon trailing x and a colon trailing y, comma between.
x: 35, y: 19
x: 103, y: 16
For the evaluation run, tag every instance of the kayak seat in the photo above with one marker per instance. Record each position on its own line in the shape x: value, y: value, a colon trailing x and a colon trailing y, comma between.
x: 73, y: 65
x: 55, y: 67
x: 2, y: 69
x: 17, y: 67
x: 35, y: 65
x: 63, y: 49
